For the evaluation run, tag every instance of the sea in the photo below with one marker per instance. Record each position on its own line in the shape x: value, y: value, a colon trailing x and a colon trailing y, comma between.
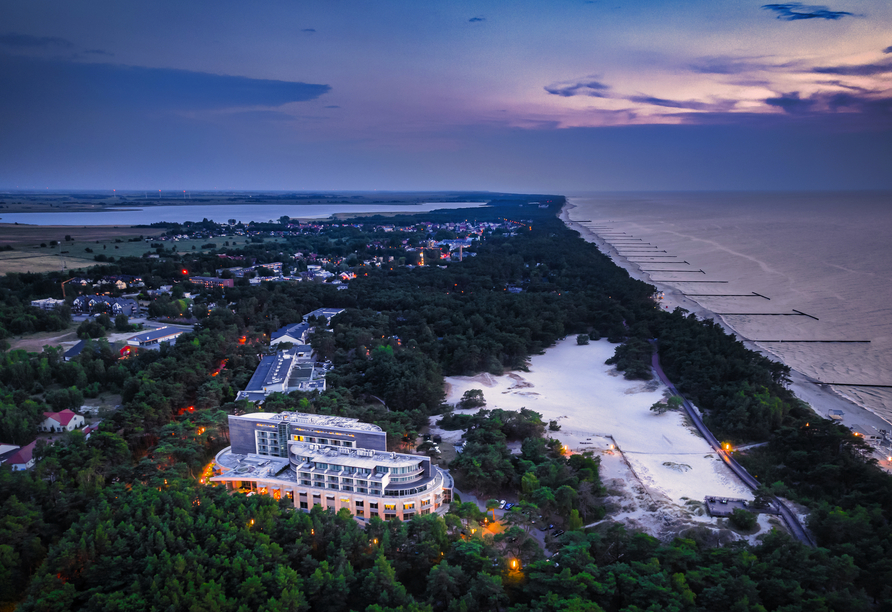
x: 778, y: 268
x: 245, y: 213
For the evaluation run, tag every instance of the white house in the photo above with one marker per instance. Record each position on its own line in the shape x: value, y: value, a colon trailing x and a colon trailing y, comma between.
x: 66, y: 420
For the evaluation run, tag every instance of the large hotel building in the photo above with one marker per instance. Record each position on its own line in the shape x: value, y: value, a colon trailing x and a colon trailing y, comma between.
x: 329, y: 461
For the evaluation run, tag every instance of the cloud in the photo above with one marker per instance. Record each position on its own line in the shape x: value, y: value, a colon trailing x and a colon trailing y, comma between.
x: 98, y: 52
x: 887, y: 49
x: 309, y: 30
x: 721, y: 106
x: 728, y: 65
x: 856, y: 69
x: 791, y: 103
x: 795, y: 11
x: 872, y: 109
x: 139, y: 88
x: 588, y: 87
x: 26, y: 41
x: 476, y: 19
x: 332, y: 106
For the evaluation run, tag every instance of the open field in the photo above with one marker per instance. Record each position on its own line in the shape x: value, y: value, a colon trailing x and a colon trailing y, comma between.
x: 35, y: 342
x: 111, y: 241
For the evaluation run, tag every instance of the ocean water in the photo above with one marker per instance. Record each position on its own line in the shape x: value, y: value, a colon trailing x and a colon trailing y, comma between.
x: 219, y: 213
x: 827, y: 255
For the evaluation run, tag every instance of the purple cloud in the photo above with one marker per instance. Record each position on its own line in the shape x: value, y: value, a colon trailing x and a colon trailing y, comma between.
x: 857, y: 69
x: 795, y: 11
x: 721, y: 106
x: 591, y: 88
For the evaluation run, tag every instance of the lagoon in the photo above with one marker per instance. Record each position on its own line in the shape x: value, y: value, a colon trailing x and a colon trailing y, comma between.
x: 219, y: 213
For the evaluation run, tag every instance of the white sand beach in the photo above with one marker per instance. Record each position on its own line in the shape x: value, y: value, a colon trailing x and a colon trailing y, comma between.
x: 822, y: 399
x: 665, y: 468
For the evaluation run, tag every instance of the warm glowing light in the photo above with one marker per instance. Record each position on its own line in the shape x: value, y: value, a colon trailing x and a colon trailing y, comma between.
x: 185, y: 271
x: 513, y: 563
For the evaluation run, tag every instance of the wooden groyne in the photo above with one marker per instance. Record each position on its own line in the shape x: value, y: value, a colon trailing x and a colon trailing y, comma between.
x: 753, y: 294
x: 795, y: 313
x: 836, y: 384
x: 819, y: 342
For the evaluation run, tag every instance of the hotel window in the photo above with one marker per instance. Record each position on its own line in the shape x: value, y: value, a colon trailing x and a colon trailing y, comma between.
x: 408, y: 515
x: 359, y: 503
x: 373, y: 505
x: 388, y: 516
x: 409, y: 506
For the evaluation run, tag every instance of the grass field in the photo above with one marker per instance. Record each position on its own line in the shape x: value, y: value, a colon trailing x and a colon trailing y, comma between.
x: 29, y: 256
x: 35, y: 342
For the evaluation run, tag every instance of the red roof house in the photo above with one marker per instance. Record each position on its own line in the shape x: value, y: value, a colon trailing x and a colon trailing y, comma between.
x: 23, y: 459
x: 65, y: 420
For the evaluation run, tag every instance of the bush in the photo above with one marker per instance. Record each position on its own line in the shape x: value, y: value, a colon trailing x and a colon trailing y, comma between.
x: 742, y: 519
x: 582, y: 339
x: 473, y: 398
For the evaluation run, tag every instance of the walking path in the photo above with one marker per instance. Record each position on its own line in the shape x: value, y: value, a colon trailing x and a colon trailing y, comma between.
x: 790, y: 519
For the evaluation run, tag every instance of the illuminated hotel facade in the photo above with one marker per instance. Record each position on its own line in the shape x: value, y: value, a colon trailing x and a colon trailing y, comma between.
x: 333, y: 462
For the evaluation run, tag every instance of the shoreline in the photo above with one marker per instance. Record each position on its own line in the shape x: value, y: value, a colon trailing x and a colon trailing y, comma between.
x: 821, y: 399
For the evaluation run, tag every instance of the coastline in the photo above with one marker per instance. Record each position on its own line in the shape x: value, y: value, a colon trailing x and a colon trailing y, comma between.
x: 821, y: 399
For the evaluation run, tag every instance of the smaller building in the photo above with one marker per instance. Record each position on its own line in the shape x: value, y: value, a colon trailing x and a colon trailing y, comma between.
x: 284, y: 372
x: 65, y: 420
x: 211, y: 282
x: 153, y: 338
x: 47, y: 304
x: 296, y: 333
x: 7, y: 451
x: 22, y: 459
x: 91, y: 429
x: 328, y: 313
x: 75, y: 350
x: 104, y: 303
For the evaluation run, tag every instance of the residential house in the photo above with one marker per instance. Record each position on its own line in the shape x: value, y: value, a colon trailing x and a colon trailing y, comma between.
x: 22, y: 459
x: 65, y: 420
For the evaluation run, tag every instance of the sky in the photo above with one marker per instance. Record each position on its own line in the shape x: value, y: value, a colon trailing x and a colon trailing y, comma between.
x: 514, y: 95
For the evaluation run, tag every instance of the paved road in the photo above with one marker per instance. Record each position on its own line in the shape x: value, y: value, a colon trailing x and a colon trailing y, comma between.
x: 787, y: 515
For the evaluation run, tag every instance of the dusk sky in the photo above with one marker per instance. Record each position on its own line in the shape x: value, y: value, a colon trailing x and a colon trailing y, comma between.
x: 556, y: 96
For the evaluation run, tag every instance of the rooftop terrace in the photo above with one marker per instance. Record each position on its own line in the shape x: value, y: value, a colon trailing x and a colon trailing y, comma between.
x: 319, y: 420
